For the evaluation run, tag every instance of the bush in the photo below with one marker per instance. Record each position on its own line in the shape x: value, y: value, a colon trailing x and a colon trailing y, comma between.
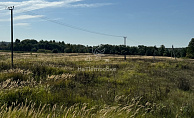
x: 34, y: 50
x: 44, y: 51
x: 183, y: 84
x: 37, y: 95
x: 190, y: 49
x: 55, y: 51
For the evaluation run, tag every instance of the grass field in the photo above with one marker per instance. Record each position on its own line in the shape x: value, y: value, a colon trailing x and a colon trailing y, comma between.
x: 85, y: 85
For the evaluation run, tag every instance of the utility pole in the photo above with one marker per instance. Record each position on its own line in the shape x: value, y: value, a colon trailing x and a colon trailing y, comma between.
x: 173, y: 52
x: 154, y: 53
x: 125, y: 46
x: 11, y: 9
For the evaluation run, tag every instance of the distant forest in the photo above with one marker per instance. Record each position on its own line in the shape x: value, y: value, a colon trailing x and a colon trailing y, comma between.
x: 31, y: 45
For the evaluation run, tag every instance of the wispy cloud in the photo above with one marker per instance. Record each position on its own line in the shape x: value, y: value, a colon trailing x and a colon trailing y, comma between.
x: 41, y: 4
x: 22, y: 24
x: 30, y: 5
x: 23, y: 17
x: 91, y: 5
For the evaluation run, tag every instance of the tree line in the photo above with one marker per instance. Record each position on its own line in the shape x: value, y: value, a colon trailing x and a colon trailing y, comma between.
x: 31, y: 45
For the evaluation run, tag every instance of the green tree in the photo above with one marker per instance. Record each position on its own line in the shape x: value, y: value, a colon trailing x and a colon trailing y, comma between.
x: 190, y: 49
x: 17, y: 41
x: 161, y: 50
x: 142, y: 49
x: 167, y: 52
x: 134, y: 50
x: 149, y: 51
x: 3, y: 45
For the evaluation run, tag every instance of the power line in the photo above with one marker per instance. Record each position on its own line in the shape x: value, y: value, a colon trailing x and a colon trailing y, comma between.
x: 74, y: 27
x: 4, y: 6
x: 78, y: 28
x: 70, y: 26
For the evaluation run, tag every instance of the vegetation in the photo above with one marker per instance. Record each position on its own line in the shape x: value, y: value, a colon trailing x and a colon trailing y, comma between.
x: 28, y: 45
x: 190, y: 49
x: 84, y: 85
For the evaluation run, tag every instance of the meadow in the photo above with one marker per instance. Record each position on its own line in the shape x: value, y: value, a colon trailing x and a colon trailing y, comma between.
x: 82, y: 85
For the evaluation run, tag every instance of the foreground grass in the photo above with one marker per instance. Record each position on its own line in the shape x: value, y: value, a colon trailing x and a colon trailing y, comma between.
x: 53, y: 85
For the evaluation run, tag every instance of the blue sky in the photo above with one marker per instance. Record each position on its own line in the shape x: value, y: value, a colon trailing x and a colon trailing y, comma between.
x: 145, y: 22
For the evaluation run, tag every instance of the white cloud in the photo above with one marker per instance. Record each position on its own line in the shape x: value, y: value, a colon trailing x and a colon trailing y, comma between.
x: 91, y: 5
x: 22, y: 24
x: 41, y: 4
x: 22, y: 17
x: 30, y: 5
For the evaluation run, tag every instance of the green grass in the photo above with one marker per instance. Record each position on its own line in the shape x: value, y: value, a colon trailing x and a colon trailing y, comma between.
x: 51, y: 85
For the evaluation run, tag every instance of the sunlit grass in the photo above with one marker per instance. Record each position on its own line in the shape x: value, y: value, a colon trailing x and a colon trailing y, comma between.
x: 52, y: 85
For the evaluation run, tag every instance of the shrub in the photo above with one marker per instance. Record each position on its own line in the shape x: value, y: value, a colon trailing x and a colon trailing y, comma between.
x: 183, y: 84
x: 55, y: 51
x: 44, y: 51
x: 37, y: 95
x: 34, y: 50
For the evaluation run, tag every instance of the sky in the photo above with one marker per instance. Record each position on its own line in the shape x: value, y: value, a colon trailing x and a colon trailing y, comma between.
x: 95, y: 22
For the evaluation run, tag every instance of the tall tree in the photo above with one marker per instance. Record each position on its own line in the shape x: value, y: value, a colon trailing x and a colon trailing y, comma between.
x: 142, y: 49
x: 190, y: 49
x: 161, y: 50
